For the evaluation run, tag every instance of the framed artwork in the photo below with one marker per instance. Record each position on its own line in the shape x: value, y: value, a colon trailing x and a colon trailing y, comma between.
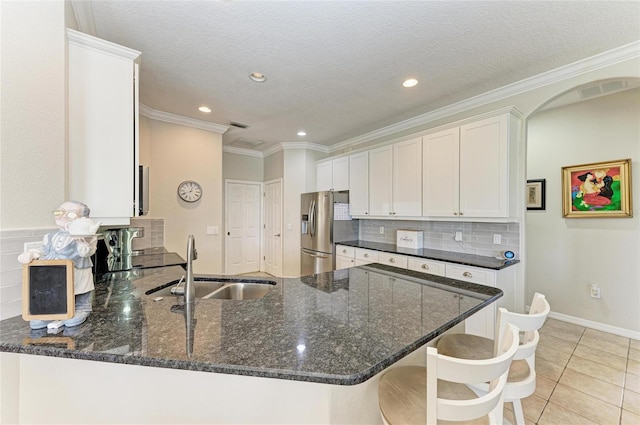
x: 535, y: 194
x: 602, y: 189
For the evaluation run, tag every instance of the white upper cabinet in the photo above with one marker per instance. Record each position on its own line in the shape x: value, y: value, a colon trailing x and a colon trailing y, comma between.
x: 395, y: 179
x: 407, y: 178
x: 359, y: 183
x: 103, y: 111
x: 470, y: 171
x: 380, y: 187
x: 333, y: 175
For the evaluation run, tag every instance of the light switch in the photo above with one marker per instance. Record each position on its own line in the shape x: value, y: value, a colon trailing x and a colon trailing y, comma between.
x: 212, y: 230
x: 289, y: 227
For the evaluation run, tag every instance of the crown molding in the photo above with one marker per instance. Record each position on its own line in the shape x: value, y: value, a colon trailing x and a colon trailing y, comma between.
x: 95, y: 43
x: 241, y: 151
x: 179, y: 119
x: 602, y: 60
x: 295, y: 145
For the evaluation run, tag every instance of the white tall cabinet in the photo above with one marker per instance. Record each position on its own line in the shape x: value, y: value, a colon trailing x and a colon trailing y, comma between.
x: 103, y: 127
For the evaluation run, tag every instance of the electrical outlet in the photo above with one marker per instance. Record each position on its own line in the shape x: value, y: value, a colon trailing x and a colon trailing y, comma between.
x: 497, y: 239
x: 595, y: 291
x: 382, y: 230
x: 458, y: 236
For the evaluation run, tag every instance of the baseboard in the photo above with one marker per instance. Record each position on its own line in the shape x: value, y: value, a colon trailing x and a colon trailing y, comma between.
x: 595, y: 325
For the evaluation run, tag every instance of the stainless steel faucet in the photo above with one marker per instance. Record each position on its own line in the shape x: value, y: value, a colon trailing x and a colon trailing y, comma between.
x: 192, y: 254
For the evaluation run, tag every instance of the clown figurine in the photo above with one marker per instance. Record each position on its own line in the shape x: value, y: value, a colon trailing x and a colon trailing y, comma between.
x: 60, y: 245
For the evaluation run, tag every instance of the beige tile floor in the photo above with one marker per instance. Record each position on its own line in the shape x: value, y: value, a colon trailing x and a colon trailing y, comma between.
x: 585, y: 376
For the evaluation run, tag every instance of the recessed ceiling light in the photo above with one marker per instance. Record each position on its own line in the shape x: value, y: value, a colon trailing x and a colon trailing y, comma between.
x: 302, y: 133
x: 257, y: 77
x: 204, y: 109
x: 411, y: 82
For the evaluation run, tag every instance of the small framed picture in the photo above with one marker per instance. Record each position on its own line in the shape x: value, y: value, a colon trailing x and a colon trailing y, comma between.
x: 535, y: 194
x: 601, y: 189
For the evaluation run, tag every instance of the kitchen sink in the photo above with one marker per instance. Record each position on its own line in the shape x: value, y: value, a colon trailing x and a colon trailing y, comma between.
x: 218, y: 289
x: 240, y: 291
x: 202, y: 289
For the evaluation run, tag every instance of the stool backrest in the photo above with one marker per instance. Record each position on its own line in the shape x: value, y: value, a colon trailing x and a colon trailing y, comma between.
x: 493, y: 370
x: 527, y: 323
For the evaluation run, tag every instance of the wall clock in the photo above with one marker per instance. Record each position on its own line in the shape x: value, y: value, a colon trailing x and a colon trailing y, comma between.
x: 189, y: 191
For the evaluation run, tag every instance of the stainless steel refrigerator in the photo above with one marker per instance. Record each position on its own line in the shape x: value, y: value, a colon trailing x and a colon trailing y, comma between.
x: 325, y: 221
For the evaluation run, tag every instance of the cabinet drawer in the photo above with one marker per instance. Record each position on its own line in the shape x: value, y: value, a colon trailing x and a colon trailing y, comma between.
x: 427, y: 266
x: 367, y: 255
x: 392, y: 260
x: 471, y: 274
x: 345, y: 251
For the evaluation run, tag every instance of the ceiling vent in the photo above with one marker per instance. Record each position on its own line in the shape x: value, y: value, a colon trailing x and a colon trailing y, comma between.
x: 604, y: 88
x: 238, y: 124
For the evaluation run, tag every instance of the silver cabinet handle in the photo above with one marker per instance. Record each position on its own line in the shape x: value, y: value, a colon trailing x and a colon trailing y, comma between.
x: 467, y: 274
x: 392, y: 260
x: 366, y: 255
x: 424, y: 266
x: 344, y: 251
x: 455, y: 213
x: 461, y: 213
x: 276, y: 236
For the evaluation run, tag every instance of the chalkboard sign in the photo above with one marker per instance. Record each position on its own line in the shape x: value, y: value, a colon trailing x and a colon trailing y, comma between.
x: 47, y: 290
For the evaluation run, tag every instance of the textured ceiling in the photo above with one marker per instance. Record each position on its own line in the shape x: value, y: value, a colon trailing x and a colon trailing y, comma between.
x: 335, y: 68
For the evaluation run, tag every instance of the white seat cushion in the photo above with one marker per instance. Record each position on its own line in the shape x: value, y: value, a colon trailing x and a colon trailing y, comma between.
x: 402, y: 395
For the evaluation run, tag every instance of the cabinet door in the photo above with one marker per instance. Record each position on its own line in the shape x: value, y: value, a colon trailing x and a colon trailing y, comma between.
x: 324, y: 176
x: 484, y: 163
x: 359, y: 183
x: 407, y: 178
x: 380, y: 181
x: 102, y: 136
x: 340, y: 174
x: 440, y: 173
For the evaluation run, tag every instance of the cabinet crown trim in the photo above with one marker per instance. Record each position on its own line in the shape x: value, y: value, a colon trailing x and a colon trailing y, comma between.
x: 86, y: 40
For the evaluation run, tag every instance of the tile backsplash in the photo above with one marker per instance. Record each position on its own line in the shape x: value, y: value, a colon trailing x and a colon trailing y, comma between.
x: 11, y: 245
x: 477, y: 238
x: 153, y: 233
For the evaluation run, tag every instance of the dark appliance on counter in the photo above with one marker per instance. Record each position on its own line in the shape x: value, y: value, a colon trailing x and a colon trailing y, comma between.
x: 114, y: 252
x: 325, y: 221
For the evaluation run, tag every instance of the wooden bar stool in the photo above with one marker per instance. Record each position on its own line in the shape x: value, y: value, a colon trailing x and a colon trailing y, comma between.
x: 419, y: 395
x: 521, y: 382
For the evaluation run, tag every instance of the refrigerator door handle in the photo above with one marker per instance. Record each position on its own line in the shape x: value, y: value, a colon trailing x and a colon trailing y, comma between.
x: 312, y: 218
x: 314, y: 255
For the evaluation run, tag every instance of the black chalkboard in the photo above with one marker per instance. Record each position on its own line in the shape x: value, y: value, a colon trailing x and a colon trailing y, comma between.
x: 47, y: 290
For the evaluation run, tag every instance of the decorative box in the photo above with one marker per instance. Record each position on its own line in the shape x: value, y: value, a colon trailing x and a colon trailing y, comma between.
x: 409, y: 239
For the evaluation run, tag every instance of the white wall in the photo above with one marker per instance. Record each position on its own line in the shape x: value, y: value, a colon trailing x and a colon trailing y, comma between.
x: 274, y: 166
x: 566, y: 255
x: 181, y: 153
x: 242, y: 167
x: 33, y: 108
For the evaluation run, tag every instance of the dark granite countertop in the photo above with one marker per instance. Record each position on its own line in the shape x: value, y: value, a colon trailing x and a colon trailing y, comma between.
x: 339, y: 327
x: 434, y: 254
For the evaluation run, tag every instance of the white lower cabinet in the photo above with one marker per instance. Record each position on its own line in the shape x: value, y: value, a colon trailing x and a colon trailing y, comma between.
x: 345, y: 257
x: 366, y: 256
x: 481, y: 323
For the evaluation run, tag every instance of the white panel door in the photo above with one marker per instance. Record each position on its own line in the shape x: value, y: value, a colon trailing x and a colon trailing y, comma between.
x: 243, y: 228
x: 380, y: 181
x: 440, y: 173
x: 407, y: 178
x: 273, y: 228
x: 359, y: 184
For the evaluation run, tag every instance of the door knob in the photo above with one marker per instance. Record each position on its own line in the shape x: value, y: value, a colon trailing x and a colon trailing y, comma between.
x: 277, y: 236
